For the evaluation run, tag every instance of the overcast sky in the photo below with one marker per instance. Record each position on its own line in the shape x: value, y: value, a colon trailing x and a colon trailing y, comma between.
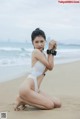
x: 18, y: 18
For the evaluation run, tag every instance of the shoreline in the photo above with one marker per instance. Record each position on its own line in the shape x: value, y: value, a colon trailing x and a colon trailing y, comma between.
x: 63, y: 82
x: 14, y: 72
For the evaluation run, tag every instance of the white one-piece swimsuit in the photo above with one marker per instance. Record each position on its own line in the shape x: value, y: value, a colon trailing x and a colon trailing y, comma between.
x: 36, y: 71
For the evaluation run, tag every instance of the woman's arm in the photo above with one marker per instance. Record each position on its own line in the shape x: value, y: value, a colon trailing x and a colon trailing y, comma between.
x: 52, y: 45
x: 39, y: 56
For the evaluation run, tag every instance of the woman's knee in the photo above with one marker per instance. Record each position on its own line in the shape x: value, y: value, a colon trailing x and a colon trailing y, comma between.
x: 50, y: 105
x: 57, y: 104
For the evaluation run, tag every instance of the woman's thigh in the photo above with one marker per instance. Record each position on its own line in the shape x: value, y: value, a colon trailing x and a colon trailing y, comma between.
x: 56, y: 101
x: 26, y: 86
x: 38, y: 99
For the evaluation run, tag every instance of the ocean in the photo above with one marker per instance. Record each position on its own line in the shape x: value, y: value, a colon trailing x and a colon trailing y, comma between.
x: 15, y: 58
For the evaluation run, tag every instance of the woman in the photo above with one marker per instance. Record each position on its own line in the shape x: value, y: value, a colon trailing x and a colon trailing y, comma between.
x: 29, y: 92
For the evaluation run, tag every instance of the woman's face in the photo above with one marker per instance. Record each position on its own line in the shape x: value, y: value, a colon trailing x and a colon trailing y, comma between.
x: 39, y: 43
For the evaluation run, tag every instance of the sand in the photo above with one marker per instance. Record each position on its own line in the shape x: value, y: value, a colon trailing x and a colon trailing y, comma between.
x: 63, y: 82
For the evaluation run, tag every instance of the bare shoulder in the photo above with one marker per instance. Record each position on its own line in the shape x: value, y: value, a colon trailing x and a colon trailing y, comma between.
x: 36, y: 52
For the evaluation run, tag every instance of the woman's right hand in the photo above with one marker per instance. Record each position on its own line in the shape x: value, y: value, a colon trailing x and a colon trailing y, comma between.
x: 52, y: 44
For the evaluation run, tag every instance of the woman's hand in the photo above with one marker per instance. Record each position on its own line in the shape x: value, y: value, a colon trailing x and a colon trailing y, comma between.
x: 52, y: 44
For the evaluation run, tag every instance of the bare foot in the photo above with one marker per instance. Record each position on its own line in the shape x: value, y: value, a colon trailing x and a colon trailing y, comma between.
x: 22, y: 107
x: 18, y: 103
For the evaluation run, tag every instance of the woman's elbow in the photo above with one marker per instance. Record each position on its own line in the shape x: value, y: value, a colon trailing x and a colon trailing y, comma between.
x: 50, y: 68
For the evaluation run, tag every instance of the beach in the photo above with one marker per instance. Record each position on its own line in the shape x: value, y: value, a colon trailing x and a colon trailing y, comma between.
x: 63, y: 82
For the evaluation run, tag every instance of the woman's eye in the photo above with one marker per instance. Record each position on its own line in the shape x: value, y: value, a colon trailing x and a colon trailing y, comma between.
x: 36, y: 42
x: 42, y: 41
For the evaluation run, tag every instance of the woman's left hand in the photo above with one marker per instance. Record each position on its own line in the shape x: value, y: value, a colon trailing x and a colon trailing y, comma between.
x: 54, y: 45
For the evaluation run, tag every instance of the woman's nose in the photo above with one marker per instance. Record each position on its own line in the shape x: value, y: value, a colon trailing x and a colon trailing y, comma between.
x: 39, y: 44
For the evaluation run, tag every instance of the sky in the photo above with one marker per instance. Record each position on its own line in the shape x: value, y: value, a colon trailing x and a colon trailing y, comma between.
x: 18, y: 18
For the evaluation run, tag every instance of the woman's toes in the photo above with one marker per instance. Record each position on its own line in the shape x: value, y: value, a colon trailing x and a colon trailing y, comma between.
x: 22, y: 107
x: 16, y: 105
